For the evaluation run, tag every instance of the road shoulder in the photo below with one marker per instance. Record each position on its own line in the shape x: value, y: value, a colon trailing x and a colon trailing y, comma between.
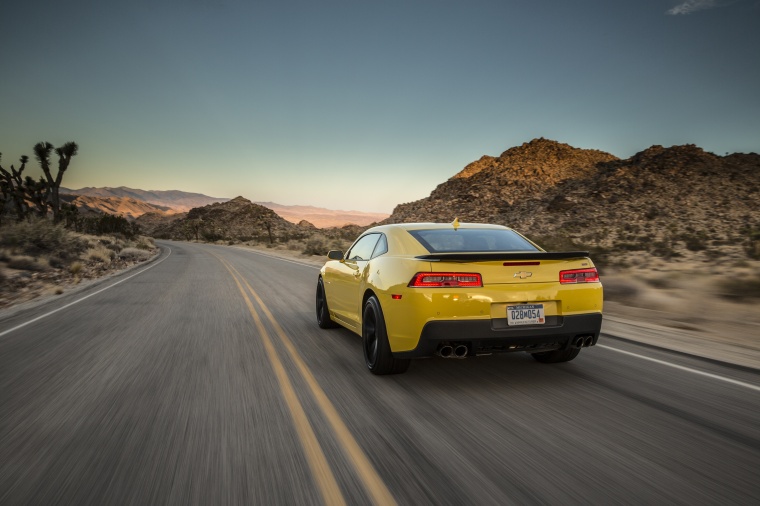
x: 742, y: 350
x: 72, y: 291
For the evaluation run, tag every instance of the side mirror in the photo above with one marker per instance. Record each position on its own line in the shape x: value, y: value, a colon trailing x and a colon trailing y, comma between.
x: 335, y: 254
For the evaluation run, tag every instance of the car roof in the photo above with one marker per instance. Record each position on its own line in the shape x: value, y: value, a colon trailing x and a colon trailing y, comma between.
x: 403, y: 244
x: 433, y: 226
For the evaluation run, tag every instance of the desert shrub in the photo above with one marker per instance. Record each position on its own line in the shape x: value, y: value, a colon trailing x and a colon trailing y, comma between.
x: 629, y: 246
x: 340, y: 244
x: 25, y: 263
x: 663, y: 249
x: 108, y: 224
x: 316, y: 246
x: 4, y: 255
x: 145, y: 243
x: 100, y: 254
x: 113, y: 243
x: 211, y: 235
x: 56, y: 262
x: 75, y: 268
x: 738, y: 289
x: 294, y: 245
x: 2, y: 277
x: 36, y: 236
x: 696, y: 241
x: 134, y: 254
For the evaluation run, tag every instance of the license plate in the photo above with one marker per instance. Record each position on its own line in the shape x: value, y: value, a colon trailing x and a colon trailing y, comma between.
x: 526, y: 314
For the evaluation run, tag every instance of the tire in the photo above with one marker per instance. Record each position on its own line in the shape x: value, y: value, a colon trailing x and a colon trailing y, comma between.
x: 556, y: 356
x: 323, y: 312
x: 377, y: 350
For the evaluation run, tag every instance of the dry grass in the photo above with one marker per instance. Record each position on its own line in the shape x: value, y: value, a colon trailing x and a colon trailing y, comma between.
x: 38, y: 257
x: 145, y: 243
x: 26, y: 263
x: 38, y: 237
x: 135, y: 254
x: 100, y: 254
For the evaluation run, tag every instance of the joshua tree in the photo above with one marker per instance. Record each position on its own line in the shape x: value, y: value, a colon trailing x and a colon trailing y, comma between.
x: 38, y: 192
x: 12, y: 187
x: 42, y: 151
x: 70, y: 213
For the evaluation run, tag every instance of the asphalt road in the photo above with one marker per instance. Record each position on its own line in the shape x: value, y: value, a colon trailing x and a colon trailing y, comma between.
x: 202, y: 378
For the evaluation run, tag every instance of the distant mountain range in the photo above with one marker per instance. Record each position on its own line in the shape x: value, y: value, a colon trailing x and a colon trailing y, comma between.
x: 174, y: 201
x: 133, y: 203
x: 323, y: 218
x: 120, y: 206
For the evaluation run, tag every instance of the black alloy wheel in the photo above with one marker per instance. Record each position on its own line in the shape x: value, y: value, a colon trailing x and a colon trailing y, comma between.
x: 323, y: 312
x: 377, y: 350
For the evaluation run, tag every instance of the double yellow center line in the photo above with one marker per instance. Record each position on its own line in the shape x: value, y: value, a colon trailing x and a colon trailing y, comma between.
x: 321, y: 470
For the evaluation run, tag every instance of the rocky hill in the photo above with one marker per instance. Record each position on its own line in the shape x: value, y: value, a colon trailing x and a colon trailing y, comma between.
x: 677, y: 202
x: 238, y: 219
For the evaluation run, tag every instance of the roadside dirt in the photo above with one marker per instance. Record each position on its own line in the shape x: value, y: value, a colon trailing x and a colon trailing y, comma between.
x: 19, y: 286
x: 686, y: 307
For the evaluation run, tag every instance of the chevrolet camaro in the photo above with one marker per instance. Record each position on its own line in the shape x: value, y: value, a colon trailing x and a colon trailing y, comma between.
x: 454, y: 290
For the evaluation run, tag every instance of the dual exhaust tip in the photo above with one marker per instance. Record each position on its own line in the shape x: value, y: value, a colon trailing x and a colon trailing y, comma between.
x: 461, y: 350
x: 448, y: 351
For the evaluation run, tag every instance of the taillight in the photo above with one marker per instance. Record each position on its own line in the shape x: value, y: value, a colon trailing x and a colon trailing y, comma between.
x: 441, y: 279
x: 579, y: 276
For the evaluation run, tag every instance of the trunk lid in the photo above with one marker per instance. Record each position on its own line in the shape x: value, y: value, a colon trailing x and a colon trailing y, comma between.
x: 511, y: 268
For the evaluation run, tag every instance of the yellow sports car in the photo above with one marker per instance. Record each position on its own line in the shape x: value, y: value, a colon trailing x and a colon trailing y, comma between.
x: 456, y: 290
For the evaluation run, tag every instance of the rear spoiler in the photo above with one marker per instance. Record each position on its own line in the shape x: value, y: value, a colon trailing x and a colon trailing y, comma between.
x: 504, y: 255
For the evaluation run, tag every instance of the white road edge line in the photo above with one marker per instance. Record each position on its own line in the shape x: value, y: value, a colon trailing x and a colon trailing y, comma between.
x: 689, y: 369
x: 83, y: 298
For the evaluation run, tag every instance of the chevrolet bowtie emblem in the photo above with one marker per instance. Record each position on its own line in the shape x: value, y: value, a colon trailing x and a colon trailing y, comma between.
x: 522, y: 274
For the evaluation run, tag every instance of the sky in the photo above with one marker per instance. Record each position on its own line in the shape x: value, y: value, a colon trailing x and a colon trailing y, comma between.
x: 360, y: 104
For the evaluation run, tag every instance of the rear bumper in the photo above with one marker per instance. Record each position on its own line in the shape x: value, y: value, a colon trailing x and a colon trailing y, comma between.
x: 493, y: 336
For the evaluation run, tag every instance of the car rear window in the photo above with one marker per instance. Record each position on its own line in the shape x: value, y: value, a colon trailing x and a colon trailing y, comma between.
x: 471, y: 239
